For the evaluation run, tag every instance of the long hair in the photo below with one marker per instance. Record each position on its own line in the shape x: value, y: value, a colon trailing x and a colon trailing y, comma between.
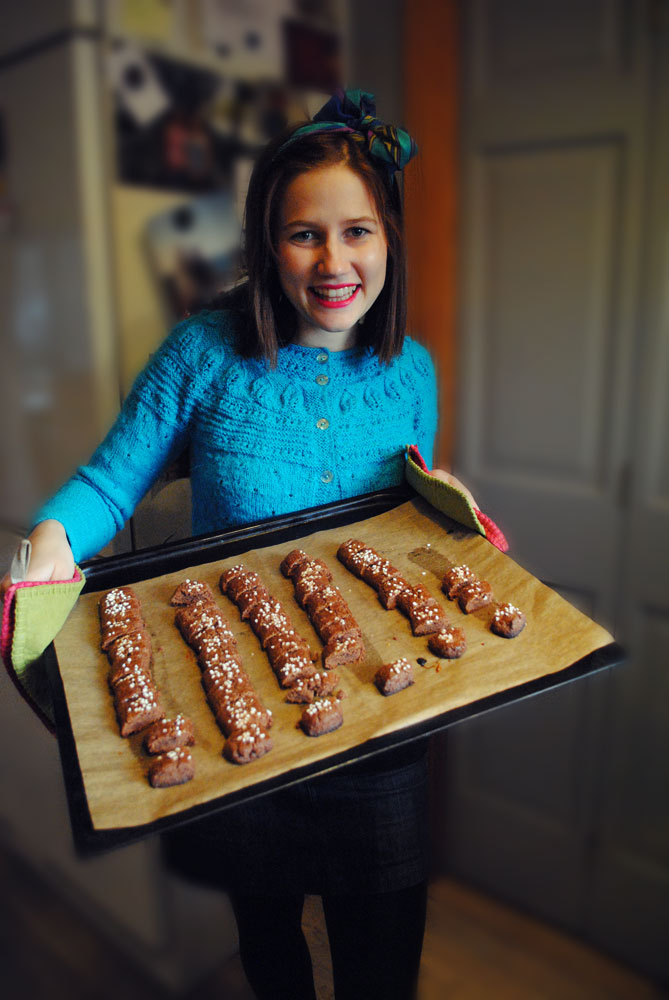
x: 271, y: 319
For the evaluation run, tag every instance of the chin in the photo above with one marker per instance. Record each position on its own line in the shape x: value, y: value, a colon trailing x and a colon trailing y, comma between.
x: 331, y: 325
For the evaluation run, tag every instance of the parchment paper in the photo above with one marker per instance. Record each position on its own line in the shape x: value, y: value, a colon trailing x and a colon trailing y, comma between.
x: 422, y: 544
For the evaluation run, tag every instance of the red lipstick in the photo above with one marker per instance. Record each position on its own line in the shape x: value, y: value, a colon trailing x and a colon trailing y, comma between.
x: 334, y: 303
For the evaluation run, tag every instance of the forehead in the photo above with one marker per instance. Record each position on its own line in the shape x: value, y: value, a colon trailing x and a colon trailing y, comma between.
x: 327, y: 191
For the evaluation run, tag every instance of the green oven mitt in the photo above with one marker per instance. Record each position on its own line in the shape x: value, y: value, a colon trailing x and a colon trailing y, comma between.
x: 33, y: 614
x: 450, y: 500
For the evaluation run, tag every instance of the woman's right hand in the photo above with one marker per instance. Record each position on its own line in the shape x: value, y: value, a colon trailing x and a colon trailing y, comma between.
x: 51, y: 557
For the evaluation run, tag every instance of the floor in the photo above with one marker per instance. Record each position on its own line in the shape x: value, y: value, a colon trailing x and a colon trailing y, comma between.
x: 475, y: 948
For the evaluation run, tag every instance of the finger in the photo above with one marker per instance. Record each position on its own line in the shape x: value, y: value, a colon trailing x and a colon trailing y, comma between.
x: 39, y: 572
x: 452, y: 480
x: 441, y: 474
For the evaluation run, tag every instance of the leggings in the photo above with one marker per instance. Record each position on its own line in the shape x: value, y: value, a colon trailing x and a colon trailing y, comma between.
x: 375, y: 943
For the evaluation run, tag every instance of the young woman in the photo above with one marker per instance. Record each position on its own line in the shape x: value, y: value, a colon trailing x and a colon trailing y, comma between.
x: 303, y: 389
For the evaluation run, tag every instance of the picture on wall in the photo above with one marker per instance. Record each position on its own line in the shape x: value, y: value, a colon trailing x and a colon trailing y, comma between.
x: 194, y: 251
x: 180, y: 127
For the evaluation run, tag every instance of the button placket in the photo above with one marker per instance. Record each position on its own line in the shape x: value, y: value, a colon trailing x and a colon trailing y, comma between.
x: 326, y: 476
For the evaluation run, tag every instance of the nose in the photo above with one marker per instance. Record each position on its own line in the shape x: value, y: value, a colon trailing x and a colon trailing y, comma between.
x: 332, y: 260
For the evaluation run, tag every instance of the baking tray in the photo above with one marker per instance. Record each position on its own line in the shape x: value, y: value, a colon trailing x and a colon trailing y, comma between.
x: 109, y: 799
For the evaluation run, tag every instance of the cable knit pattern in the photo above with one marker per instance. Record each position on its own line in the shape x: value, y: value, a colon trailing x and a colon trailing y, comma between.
x: 320, y: 427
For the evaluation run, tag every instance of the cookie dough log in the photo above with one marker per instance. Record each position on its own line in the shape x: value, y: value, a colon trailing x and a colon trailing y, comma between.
x: 364, y: 562
x: 288, y: 652
x: 126, y: 640
x: 230, y: 694
x: 420, y: 607
x: 327, y: 609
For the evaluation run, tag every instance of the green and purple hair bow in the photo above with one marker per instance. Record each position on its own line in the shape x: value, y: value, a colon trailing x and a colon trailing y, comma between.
x: 354, y: 111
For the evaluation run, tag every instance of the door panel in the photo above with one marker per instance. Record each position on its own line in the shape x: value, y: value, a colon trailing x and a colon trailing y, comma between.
x: 547, y: 220
x: 537, y: 38
x: 520, y: 808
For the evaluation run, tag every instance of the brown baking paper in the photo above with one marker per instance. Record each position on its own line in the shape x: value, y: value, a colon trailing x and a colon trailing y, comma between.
x: 422, y: 544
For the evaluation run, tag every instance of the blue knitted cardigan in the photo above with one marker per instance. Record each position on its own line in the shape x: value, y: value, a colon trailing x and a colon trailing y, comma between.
x: 319, y: 427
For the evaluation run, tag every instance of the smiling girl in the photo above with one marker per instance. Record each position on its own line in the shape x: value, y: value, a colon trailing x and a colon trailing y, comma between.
x: 301, y: 390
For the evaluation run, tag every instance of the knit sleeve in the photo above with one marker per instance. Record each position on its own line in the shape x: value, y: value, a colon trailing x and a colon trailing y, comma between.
x: 151, y: 430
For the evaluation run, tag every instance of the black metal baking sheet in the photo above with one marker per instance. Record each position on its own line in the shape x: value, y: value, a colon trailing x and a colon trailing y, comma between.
x: 128, y: 569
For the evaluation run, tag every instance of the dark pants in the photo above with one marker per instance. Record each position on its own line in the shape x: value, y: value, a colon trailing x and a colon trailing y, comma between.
x: 375, y: 943
x: 356, y: 837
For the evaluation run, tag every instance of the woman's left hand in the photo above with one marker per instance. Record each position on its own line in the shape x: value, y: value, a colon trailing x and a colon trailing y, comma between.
x: 448, y: 477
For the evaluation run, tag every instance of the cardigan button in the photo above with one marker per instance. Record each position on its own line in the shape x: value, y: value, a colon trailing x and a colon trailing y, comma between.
x: 322, y: 379
x: 322, y: 357
x: 322, y: 424
x: 326, y: 477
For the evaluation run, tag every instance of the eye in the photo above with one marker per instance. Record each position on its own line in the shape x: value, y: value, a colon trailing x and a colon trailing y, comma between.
x: 303, y: 236
x: 358, y: 232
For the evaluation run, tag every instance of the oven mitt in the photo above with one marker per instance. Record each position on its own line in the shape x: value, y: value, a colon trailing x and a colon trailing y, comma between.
x: 33, y: 614
x: 449, y: 499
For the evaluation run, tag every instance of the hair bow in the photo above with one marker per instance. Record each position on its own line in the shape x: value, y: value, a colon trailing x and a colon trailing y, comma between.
x: 354, y: 111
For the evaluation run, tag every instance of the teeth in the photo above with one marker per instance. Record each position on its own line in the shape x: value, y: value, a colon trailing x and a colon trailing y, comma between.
x: 335, y: 294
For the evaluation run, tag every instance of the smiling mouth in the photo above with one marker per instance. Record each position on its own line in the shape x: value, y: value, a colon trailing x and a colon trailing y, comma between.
x: 335, y: 296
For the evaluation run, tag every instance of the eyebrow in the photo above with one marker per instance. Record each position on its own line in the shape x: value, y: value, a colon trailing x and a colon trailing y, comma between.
x: 306, y: 224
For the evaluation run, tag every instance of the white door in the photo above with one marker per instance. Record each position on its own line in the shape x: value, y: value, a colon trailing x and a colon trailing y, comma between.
x: 628, y: 898
x: 558, y: 802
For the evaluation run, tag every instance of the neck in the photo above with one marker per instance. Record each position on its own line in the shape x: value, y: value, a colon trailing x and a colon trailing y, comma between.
x: 332, y: 342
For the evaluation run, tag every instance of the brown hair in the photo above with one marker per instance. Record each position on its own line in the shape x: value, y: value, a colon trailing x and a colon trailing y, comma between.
x: 271, y: 318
